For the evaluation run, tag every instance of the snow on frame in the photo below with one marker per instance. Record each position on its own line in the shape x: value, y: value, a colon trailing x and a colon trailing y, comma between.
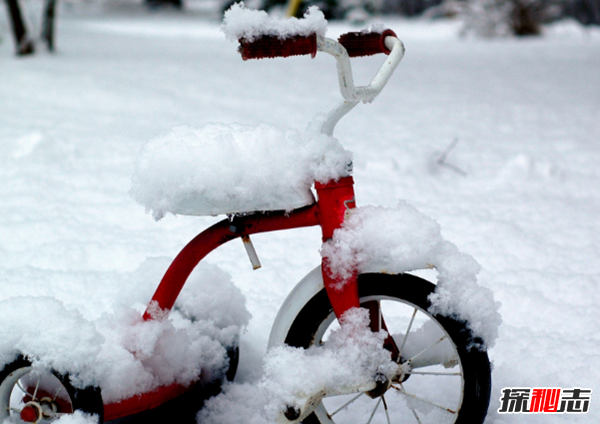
x: 240, y: 22
x: 352, y: 355
x: 401, y: 239
x: 119, y: 352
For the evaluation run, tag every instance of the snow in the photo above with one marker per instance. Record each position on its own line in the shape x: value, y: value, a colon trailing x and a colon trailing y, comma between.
x: 352, y: 355
x: 525, y: 115
x: 118, y: 351
x: 77, y: 418
x: 240, y: 22
x: 409, y: 241
x: 224, y: 169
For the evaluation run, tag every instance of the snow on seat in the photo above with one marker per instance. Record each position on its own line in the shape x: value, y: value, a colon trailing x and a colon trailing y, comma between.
x: 232, y: 168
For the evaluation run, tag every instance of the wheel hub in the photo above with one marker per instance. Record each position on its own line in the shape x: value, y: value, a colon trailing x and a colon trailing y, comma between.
x: 403, y: 372
x: 34, y: 412
x: 382, y: 384
x: 49, y: 408
x: 31, y: 412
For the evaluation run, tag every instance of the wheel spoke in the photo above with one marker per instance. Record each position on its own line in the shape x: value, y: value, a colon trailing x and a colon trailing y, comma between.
x: 52, y: 414
x: 415, y: 414
x: 412, y: 319
x: 427, y: 348
x: 412, y: 409
x: 20, y: 386
x: 433, y: 373
x: 404, y: 392
x: 374, y: 410
x: 385, y: 408
x: 57, y: 392
x: 346, y: 404
x: 37, y: 386
x: 379, y: 317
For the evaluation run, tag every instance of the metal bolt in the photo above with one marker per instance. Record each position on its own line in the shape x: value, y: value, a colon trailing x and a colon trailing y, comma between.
x: 292, y: 413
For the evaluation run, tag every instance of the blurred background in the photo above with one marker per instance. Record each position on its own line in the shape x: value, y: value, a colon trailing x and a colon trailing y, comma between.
x: 481, y: 18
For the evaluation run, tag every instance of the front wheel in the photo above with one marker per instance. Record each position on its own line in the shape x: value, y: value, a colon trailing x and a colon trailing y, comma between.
x: 446, y: 381
x: 32, y: 396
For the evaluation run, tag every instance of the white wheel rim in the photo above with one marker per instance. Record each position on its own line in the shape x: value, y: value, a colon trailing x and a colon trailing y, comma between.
x: 47, y: 388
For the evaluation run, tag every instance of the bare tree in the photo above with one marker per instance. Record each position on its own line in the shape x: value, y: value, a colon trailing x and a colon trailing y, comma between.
x: 491, y: 18
x: 23, y: 42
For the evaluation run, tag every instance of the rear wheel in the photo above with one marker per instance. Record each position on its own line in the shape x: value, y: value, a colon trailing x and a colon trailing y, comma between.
x: 443, y: 381
x: 33, y: 396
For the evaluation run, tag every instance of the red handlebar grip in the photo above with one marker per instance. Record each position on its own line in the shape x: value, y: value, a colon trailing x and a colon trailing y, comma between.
x: 269, y: 46
x: 365, y: 44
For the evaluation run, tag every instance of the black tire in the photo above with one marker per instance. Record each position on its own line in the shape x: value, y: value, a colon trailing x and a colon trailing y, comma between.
x: 233, y: 353
x: 54, y: 393
x: 469, y: 375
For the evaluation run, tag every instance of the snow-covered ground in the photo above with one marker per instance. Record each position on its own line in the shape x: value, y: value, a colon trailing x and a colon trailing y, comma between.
x: 518, y: 191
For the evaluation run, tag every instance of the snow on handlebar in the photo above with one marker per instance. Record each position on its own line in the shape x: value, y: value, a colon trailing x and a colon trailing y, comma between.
x: 265, y: 36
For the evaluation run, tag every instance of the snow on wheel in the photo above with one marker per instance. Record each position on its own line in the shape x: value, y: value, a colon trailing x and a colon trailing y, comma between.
x: 32, y: 396
x: 442, y: 380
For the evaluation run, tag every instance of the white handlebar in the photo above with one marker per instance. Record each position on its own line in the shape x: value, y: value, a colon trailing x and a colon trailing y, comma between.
x: 368, y: 93
x: 353, y: 95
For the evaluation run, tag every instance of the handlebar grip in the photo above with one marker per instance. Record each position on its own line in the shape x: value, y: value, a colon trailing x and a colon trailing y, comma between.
x: 365, y: 43
x: 269, y: 46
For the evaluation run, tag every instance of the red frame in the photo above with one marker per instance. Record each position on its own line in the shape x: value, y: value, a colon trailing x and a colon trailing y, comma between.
x: 335, y: 198
x: 329, y: 212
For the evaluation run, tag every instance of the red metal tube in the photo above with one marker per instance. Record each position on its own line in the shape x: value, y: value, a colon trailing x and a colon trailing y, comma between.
x: 336, y: 198
x: 180, y: 269
x: 143, y: 402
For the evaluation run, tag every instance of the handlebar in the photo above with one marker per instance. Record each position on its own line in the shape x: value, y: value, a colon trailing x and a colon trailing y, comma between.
x: 356, y: 44
x: 269, y: 46
x: 352, y: 44
x: 366, y: 43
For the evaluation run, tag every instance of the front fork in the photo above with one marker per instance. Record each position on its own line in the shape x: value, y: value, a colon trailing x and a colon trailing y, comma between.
x: 336, y: 201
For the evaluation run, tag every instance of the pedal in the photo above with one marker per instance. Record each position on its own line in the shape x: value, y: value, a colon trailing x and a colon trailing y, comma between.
x: 251, y: 252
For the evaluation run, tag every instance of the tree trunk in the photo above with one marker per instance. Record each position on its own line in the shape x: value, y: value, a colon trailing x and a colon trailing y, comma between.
x: 23, y: 43
x: 48, y: 23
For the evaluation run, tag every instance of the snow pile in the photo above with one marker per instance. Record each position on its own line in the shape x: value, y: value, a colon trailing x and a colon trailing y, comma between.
x: 378, y: 239
x: 352, y: 356
x: 228, y: 168
x: 242, y: 23
x: 58, y: 340
x: 77, y: 417
x: 121, y: 353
